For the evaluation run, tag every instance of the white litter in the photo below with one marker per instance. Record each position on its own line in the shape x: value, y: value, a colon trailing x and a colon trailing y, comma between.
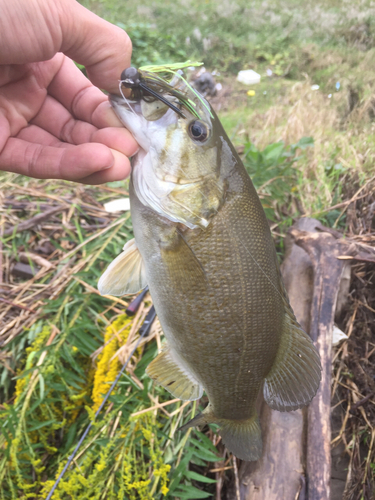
x: 248, y: 77
x: 269, y: 72
x: 120, y: 205
x: 197, y: 34
x: 337, y: 335
x: 314, y: 87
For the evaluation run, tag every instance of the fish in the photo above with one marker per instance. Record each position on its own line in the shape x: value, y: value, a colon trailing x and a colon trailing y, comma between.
x: 203, y: 246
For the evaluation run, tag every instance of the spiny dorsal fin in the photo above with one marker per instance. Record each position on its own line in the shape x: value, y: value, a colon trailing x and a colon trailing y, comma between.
x: 126, y: 274
x: 168, y: 371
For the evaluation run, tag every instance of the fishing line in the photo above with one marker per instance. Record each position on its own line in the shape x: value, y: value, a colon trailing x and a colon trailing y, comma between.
x: 125, y: 99
x: 143, y: 332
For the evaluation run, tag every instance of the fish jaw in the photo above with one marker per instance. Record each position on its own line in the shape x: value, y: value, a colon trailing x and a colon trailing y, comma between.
x: 130, y: 115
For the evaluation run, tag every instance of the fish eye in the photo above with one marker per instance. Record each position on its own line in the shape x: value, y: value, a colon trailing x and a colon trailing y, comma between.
x: 198, y: 131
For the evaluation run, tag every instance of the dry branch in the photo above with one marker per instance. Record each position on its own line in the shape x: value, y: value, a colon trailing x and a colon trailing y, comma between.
x: 33, y: 221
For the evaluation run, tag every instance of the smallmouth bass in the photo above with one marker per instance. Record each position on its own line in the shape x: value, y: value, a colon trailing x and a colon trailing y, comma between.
x: 203, y: 246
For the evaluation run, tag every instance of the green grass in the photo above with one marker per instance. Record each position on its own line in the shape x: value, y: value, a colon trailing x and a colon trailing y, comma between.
x: 45, y: 408
x: 232, y: 35
x: 56, y: 370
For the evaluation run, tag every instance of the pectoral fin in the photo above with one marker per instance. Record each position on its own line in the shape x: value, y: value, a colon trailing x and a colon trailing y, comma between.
x: 296, y: 372
x: 126, y: 274
x: 167, y: 370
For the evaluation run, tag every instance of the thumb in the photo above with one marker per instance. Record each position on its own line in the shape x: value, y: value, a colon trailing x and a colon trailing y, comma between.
x: 103, y: 48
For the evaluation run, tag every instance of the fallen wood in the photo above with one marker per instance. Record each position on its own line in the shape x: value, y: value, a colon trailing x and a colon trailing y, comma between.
x: 296, y: 460
x: 323, y: 250
x: 279, y: 474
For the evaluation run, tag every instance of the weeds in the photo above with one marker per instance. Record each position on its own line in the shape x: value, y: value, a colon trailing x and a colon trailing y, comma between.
x: 58, y: 364
x: 274, y: 174
x: 62, y: 343
x: 151, y: 46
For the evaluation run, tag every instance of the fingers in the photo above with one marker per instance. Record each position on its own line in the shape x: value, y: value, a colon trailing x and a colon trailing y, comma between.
x: 63, y: 125
x: 65, y: 128
x: 103, y: 48
x: 29, y: 31
x: 89, y: 163
x: 71, y: 95
x: 77, y: 94
x: 37, y: 135
x: 35, y: 30
x: 74, y: 111
x: 115, y: 173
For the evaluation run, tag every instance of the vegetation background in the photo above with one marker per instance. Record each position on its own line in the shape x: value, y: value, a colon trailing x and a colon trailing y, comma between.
x: 306, y: 135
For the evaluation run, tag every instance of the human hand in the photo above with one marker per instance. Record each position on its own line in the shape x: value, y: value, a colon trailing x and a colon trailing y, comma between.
x: 55, y: 123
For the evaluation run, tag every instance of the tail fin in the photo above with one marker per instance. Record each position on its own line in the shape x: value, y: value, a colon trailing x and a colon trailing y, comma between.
x: 242, y: 437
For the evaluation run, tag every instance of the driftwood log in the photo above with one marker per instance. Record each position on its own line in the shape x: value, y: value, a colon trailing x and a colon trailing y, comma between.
x: 296, y: 460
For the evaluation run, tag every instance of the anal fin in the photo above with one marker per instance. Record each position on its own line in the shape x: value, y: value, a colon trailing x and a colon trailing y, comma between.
x: 168, y: 371
x: 296, y: 373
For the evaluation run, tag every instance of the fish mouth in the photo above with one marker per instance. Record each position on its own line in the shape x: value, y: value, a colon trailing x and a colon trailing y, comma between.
x: 130, y: 105
x: 156, y: 103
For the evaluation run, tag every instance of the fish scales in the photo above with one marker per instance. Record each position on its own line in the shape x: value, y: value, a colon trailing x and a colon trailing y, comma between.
x: 204, y: 247
x: 202, y: 319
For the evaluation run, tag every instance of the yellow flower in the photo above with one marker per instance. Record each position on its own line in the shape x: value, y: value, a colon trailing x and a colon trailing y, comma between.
x: 108, y: 365
x: 147, y: 434
x: 164, y: 490
x: 38, y: 343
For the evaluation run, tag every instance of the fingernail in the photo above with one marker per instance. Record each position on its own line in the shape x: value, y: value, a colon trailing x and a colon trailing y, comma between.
x: 121, y: 165
x: 110, y: 116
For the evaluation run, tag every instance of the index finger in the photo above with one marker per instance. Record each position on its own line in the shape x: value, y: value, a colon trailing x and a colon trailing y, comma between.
x: 103, y: 48
x: 78, y: 95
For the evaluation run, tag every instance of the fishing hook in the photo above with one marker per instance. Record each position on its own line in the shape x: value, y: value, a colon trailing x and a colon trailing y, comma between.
x: 131, y: 79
